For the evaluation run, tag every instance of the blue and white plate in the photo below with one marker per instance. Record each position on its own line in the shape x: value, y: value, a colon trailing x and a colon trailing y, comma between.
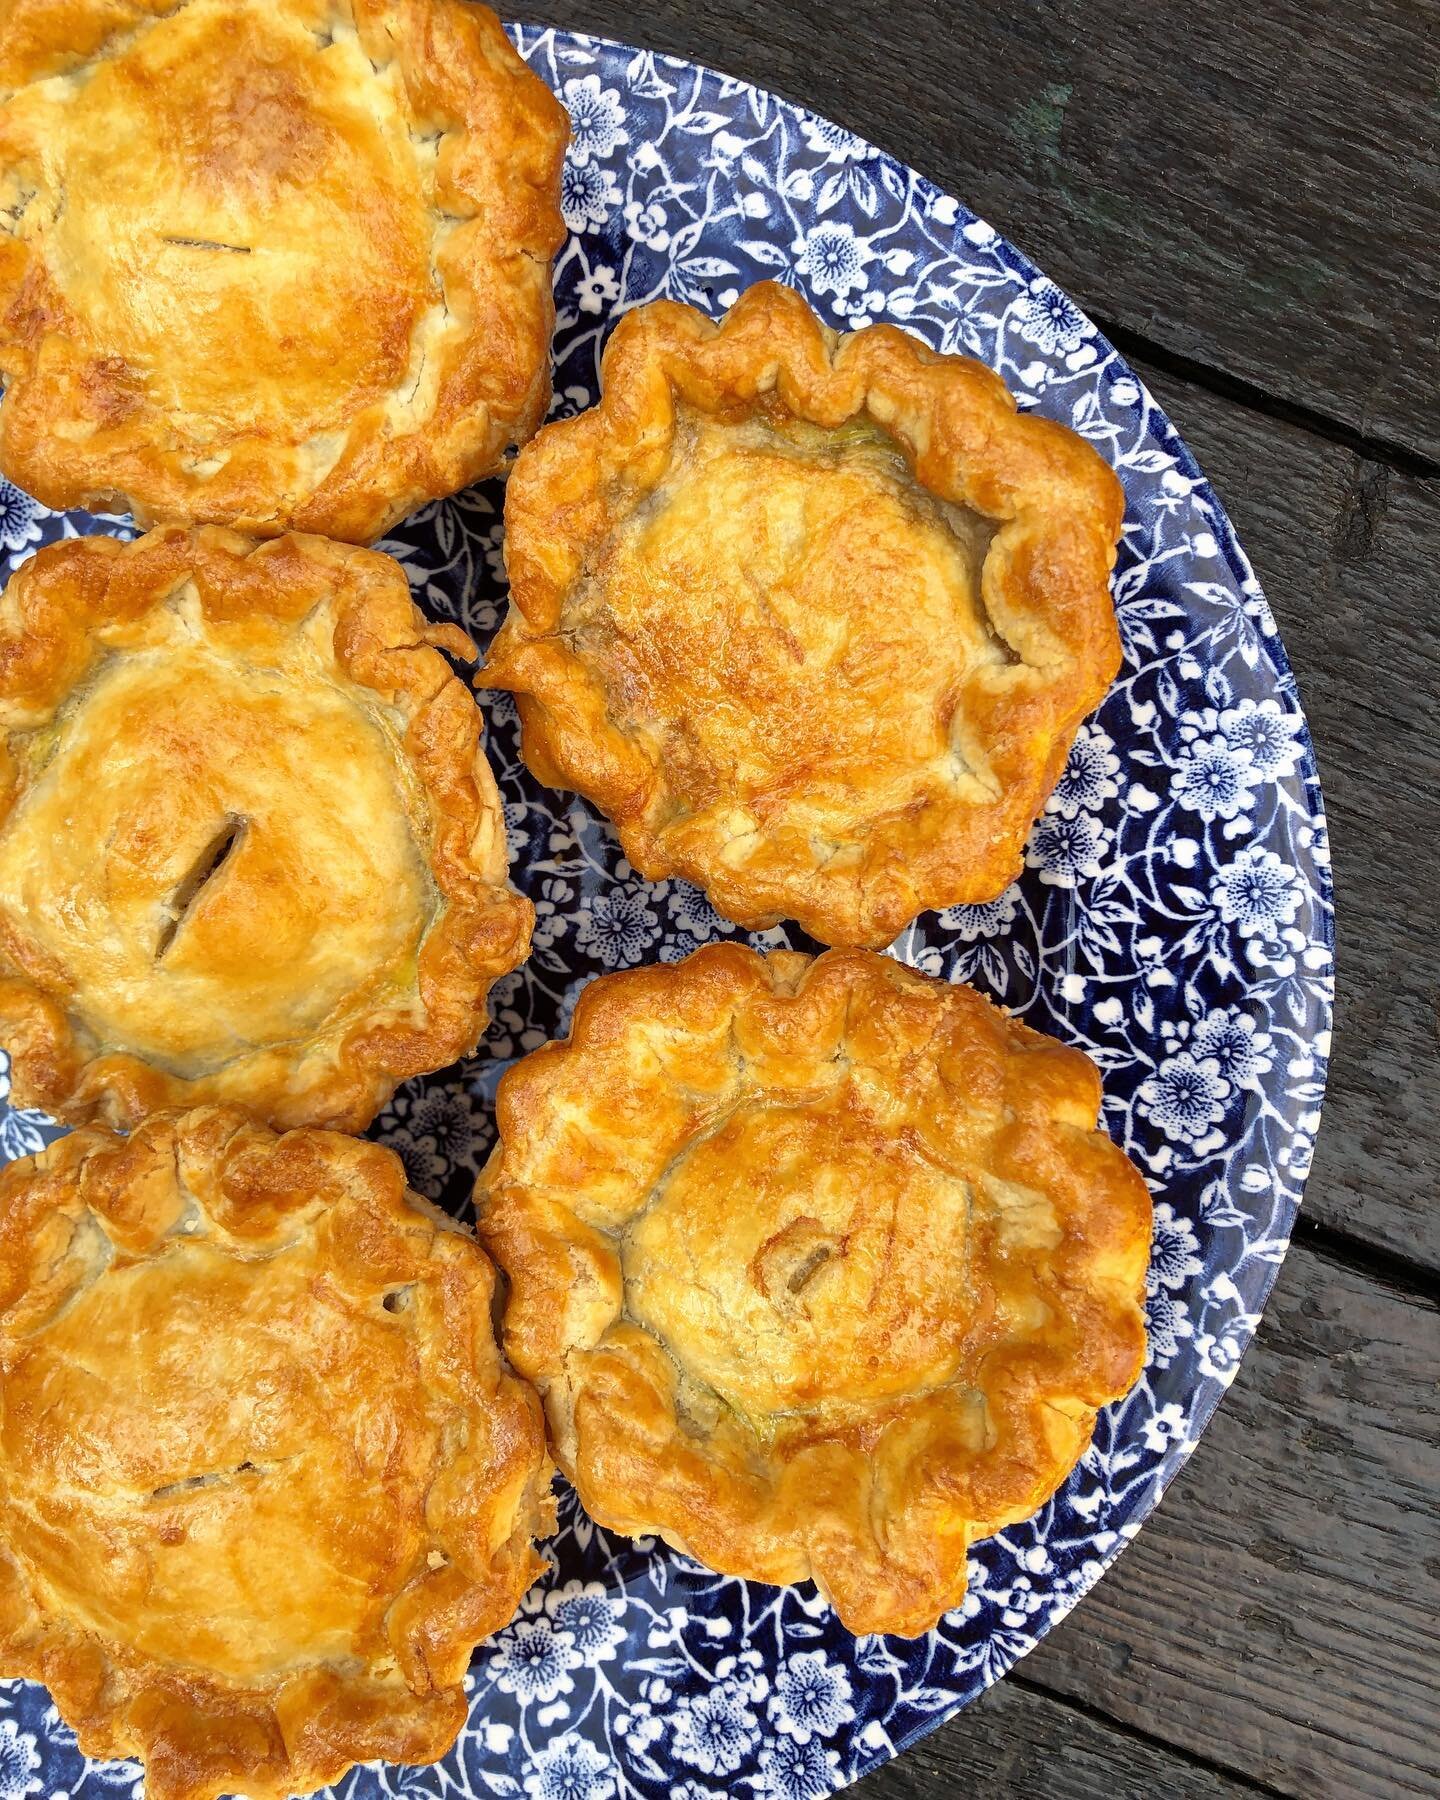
x: 1174, y: 920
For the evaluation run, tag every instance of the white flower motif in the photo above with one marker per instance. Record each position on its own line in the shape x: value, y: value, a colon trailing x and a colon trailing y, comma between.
x: 646, y: 222
x: 617, y: 928
x: 1174, y: 1249
x: 1219, y: 1354
x: 1257, y: 892
x: 554, y: 911
x: 1088, y: 778
x: 23, y: 1132
x: 425, y: 1168
x: 692, y: 1790
x: 1050, y: 320
x: 533, y: 1661
x: 1315, y: 837
x: 1184, y: 1097
x: 639, y: 1727
x: 587, y: 194
x: 811, y: 1697
x: 1267, y: 733
x: 564, y: 404
x: 692, y: 911
x: 796, y: 1770
x: 583, y: 1612
x: 1067, y: 851
x: 448, y: 1119
x: 19, y: 517
x: 1166, y: 1324
x: 834, y: 260
x: 517, y: 825
x: 1165, y: 1426
x: 1232, y: 1037
x: 988, y: 919
x: 19, y: 1762
x: 1215, y: 780
x: 715, y: 1730
x: 597, y: 289
x: 833, y: 142
x: 1296, y: 1156
x: 597, y: 119
x: 570, y: 1769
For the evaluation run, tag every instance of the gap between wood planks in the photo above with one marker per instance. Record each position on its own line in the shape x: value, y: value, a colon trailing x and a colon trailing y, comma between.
x: 1249, y: 394
x: 1386, y: 1268
x: 1180, y: 1753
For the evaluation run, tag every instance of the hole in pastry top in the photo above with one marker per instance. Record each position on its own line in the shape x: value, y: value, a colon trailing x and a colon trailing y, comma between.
x: 230, y: 850
x: 226, y: 1470
x: 243, y: 243
x: 114, y: 861
x: 822, y: 1266
x: 801, y: 1255
x: 812, y: 618
x: 204, y: 869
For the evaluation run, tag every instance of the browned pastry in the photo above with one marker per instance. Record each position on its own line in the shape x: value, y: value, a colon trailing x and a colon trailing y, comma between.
x: 277, y: 264
x: 265, y: 1479
x: 822, y: 1267
x: 250, y: 847
x: 812, y: 618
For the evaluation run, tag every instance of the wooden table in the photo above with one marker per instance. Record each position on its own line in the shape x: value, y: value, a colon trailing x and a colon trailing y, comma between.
x: 1245, y: 195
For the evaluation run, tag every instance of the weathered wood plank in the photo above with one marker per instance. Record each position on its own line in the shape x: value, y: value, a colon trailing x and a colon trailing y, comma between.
x: 1248, y: 185
x: 1014, y: 1744
x: 1346, y: 551
x: 1340, y: 541
x: 1280, y: 1613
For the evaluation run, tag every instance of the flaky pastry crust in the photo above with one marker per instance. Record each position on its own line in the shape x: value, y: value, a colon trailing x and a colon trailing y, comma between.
x: 822, y: 1267
x: 265, y: 1479
x: 250, y: 846
x: 812, y: 618
x: 275, y: 264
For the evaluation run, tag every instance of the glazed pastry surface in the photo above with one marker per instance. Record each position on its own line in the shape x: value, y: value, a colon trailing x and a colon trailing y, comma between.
x: 250, y: 848
x: 278, y: 264
x: 265, y: 1478
x: 822, y: 1267
x: 812, y: 618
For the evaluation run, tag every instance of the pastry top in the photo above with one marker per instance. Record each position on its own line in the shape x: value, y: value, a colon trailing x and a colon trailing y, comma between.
x: 276, y: 264
x: 265, y: 1479
x: 821, y: 1266
x: 250, y: 847
x: 812, y: 618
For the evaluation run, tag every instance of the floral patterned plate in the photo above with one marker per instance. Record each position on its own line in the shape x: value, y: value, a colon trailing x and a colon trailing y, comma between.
x: 1174, y: 920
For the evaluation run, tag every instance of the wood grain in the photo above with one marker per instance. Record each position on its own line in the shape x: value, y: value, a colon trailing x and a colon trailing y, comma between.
x: 1016, y: 1743
x: 1346, y: 551
x: 1252, y: 186
x: 1253, y: 189
x: 1280, y: 1613
x: 1344, y: 544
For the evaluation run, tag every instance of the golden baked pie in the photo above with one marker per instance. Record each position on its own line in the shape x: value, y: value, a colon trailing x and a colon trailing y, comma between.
x: 822, y: 1267
x: 250, y: 847
x: 278, y: 264
x: 265, y: 1479
x: 812, y: 618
